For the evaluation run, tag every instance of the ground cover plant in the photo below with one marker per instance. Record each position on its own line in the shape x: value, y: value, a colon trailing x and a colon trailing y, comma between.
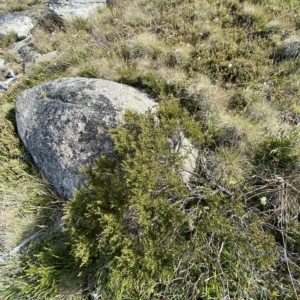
x: 17, y: 6
x: 226, y: 73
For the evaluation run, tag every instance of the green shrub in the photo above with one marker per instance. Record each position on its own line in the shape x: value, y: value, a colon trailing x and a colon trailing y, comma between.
x: 132, y: 210
x: 149, y: 236
x: 277, y: 153
x: 150, y: 81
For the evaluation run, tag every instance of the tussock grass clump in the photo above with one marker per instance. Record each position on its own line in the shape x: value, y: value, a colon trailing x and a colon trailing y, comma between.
x: 264, y: 114
x: 250, y: 14
x: 227, y: 166
x: 144, y: 45
x: 17, y: 6
x: 43, y: 41
x: 8, y: 39
x: 51, y: 22
x: 290, y: 49
x: 277, y: 153
x: 274, y: 26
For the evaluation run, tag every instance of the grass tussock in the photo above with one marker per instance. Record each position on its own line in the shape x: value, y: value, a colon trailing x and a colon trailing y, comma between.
x: 17, y: 6
x: 233, y: 67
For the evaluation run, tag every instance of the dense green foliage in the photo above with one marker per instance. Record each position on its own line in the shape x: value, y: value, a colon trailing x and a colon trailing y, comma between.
x: 147, y: 236
x: 226, y: 74
x: 132, y: 212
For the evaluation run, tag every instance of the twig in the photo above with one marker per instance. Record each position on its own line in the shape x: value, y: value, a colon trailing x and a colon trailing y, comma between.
x: 288, y: 265
x: 24, y: 243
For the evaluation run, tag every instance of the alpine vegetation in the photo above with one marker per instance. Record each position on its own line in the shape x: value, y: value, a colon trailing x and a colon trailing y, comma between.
x: 223, y: 77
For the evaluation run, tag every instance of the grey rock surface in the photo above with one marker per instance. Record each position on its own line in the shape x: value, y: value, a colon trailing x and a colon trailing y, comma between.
x: 15, y: 22
x: 74, y: 8
x: 64, y: 125
x: 29, y: 55
x: 27, y: 52
x: 10, y: 76
x: 2, y: 63
x: 180, y: 144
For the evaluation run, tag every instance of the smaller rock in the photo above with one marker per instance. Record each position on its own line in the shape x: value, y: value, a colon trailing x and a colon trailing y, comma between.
x: 15, y: 22
x: 74, y: 8
x: 4, y: 84
x: 180, y: 144
x: 3, y: 87
x: 2, y: 63
x: 27, y: 51
x: 10, y: 74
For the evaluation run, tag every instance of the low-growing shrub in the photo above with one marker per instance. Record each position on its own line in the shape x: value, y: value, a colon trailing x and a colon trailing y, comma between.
x: 149, y: 236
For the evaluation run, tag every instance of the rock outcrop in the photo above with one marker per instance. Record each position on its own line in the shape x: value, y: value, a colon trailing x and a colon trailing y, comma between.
x: 27, y: 52
x: 74, y: 8
x: 64, y: 125
x: 15, y: 22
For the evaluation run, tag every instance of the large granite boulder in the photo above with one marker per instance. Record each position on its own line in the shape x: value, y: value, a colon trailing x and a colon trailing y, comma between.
x: 15, y: 22
x: 74, y: 8
x: 64, y: 125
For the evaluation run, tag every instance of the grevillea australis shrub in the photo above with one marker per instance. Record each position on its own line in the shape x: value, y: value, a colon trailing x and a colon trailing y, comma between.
x: 132, y: 212
x: 147, y: 235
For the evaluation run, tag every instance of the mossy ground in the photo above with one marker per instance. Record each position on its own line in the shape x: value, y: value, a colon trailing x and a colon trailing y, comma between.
x: 226, y: 62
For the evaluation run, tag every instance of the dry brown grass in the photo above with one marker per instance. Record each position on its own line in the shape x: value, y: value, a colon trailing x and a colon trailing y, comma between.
x: 17, y: 5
